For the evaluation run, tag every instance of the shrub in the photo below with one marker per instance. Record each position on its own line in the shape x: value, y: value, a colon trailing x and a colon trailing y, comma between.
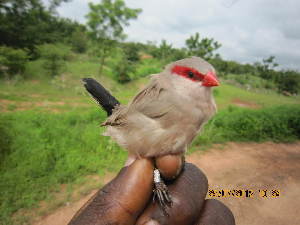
x: 12, y: 61
x: 123, y: 69
x: 121, y: 66
x: 54, y: 56
x: 79, y: 41
x: 251, y: 81
x: 34, y: 69
x: 146, y: 67
x: 131, y: 51
x: 281, y: 123
x: 289, y: 81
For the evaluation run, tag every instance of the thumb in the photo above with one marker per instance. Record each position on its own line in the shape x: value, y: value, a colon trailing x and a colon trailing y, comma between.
x: 122, y: 200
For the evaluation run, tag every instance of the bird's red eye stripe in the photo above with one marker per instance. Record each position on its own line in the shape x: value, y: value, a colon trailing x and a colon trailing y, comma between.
x: 187, y: 72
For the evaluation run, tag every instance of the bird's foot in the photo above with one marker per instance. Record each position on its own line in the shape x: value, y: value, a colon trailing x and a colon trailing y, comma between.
x: 161, y: 192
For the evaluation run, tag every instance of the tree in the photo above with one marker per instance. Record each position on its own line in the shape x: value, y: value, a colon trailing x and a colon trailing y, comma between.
x: 204, y: 47
x: 220, y: 65
x: 106, y: 22
x: 79, y: 41
x: 27, y: 23
x: 12, y: 61
x: 131, y: 51
x: 122, y: 67
x: 164, y: 50
x: 55, y: 3
x: 266, y: 68
x: 289, y: 82
x: 54, y: 56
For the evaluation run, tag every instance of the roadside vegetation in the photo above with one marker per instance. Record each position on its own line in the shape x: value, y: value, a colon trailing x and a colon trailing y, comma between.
x: 49, y: 126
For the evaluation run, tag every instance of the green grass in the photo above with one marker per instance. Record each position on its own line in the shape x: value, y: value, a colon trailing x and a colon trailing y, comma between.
x: 250, y: 81
x: 39, y: 151
x: 277, y: 123
x: 80, y: 69
x: 226, y: 94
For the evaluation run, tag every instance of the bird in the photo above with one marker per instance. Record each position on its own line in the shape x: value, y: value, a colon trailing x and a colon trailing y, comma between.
x: 165, y: 116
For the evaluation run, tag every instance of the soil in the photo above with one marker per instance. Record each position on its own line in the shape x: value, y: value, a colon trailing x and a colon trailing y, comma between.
x: 49, y: 105
x: 239, y: 166
x: 245, y: 104
x: 255, y: 167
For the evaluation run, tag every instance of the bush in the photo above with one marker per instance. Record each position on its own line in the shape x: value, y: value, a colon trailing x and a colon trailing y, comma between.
x: 122, y: 71
x: 289, y: 81
x: 121, y: 66
x: 251, y: 81
x: 146, y: 67
x: 34, y: 69
x: 79, y: 41
x: 281, y: 123
x: 54, y: 56
x: 131, y: 51
x: 12, y: 61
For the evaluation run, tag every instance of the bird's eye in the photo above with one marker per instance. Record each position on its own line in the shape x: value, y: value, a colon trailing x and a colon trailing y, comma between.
x: 191, y: 74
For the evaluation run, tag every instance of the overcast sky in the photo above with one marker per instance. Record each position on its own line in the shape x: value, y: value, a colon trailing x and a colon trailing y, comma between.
x: 249, y: 30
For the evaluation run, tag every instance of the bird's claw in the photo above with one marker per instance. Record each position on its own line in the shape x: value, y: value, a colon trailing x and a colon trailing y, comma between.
x: 162, y: 194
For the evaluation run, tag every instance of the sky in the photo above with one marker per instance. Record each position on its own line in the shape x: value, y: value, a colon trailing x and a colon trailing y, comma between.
x: 249, y: 30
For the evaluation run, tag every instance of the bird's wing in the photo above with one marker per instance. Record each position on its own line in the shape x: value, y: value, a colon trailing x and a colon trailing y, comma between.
x: 154, y: 101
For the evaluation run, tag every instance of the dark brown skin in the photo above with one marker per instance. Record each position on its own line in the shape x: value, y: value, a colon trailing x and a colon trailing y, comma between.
x: 127, y: 200
x: 215, y: 212
x: 188, y: 192
x: 122, y: 200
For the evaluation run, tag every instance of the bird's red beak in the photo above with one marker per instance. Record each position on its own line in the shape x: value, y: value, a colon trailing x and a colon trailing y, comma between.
x: 210, y: 80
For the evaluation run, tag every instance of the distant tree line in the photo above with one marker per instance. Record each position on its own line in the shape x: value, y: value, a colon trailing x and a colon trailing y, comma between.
x: 28, y: 23
x: 30, y: 30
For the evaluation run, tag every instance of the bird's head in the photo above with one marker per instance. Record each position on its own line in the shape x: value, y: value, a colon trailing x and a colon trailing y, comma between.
x: 193, y: 71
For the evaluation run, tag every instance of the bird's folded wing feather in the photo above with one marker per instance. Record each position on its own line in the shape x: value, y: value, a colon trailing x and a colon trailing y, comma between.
x: 154, y: 101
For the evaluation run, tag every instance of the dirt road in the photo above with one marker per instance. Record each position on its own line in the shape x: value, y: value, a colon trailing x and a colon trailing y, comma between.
x: 254, y: 167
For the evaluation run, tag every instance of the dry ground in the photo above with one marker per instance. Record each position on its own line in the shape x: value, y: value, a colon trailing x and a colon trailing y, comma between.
x: 239, y: 166
x: 256, y: 167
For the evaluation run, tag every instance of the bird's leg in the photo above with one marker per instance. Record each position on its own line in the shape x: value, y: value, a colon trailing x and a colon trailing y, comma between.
x: 168, y: 167
x: 161, y: 191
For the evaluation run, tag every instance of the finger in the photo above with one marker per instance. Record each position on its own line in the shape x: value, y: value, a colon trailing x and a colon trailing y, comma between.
x: 122, y: 200
x: 187, y: 193
x: 169, y: 165
x: 215, y: 212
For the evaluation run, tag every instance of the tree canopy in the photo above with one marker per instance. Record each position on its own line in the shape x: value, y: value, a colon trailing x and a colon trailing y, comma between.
x: 106, y: 22
x: 27, y: 23
x: 204, y: 47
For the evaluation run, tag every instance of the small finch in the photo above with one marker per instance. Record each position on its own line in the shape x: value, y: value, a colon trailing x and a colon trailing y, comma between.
x: 166, y: 115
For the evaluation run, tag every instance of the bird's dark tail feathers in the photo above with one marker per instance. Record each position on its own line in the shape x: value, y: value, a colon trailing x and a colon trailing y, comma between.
x: 101, y: 95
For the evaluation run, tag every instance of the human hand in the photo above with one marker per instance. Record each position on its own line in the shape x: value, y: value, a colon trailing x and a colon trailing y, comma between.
x: 127, y: 200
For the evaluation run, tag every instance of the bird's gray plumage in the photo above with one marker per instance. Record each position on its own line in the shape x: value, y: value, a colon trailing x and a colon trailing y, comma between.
x: 165, y: 116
